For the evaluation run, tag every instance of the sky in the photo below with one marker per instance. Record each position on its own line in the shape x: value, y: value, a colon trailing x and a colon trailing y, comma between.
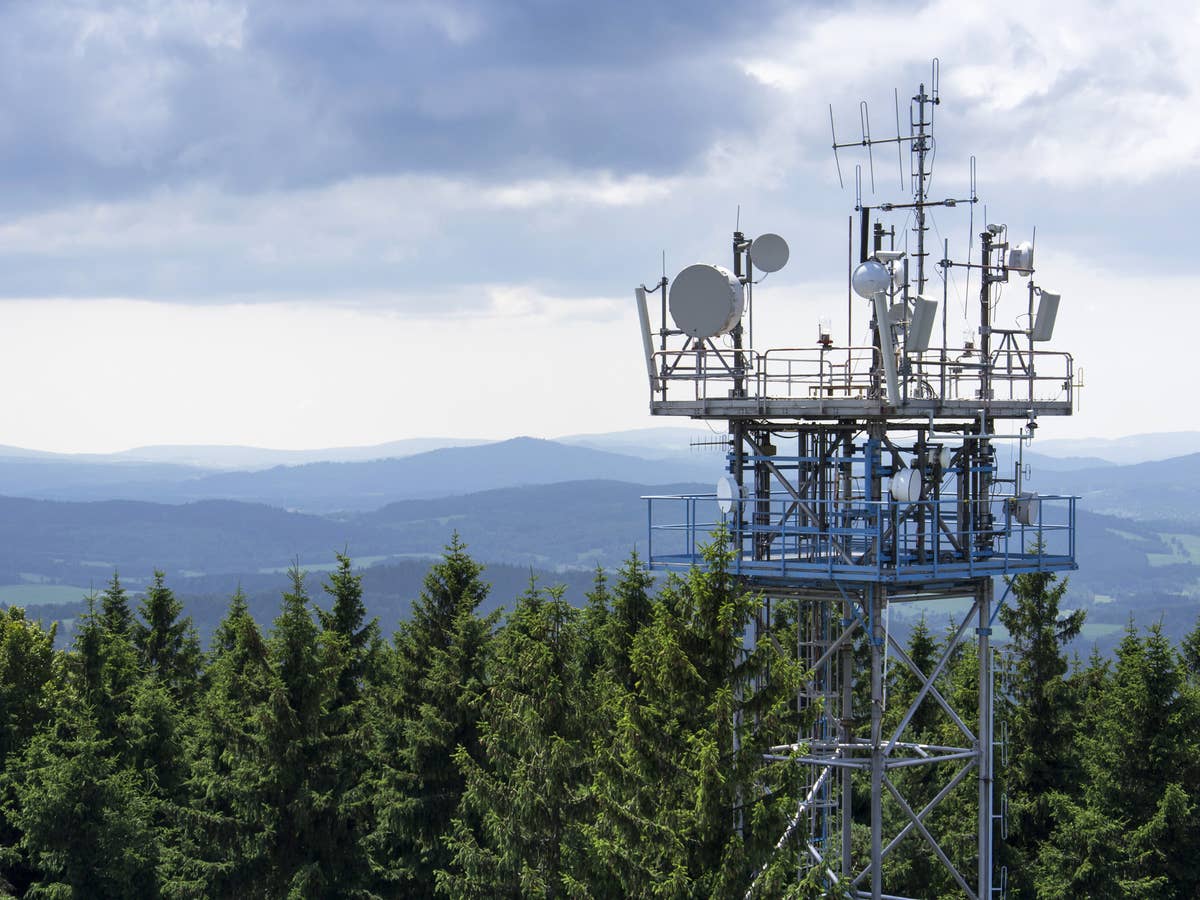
x: 302, y: 224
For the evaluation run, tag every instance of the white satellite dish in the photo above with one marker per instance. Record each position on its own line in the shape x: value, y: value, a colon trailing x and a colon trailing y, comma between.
x: 728, y: 493
x: 706, y: 301
x: 906, y: 486
x: 769, y: 252
x: 870, y: 278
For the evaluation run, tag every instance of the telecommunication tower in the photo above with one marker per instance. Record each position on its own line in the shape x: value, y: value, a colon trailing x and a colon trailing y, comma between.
x: 863, y: 476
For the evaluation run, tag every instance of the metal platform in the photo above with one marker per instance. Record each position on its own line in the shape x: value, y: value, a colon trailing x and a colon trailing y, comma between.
x: 923, y: 543
x: 706, y: 381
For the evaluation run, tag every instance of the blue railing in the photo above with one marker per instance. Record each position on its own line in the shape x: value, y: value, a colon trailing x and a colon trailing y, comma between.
x: 861, y: 540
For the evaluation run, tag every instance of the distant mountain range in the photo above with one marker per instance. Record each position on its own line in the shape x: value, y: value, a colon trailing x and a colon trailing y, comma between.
x: 664, y: 442
x: 1166, y: 489
x: 553, y: 506
x: 218, y: 456
x: 348, y: 486
x: 1134, y: 448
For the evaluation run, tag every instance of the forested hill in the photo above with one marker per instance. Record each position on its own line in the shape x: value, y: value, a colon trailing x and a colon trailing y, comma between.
x: 1140, y: 558
x: 51, y: 553
x: 578, y: 746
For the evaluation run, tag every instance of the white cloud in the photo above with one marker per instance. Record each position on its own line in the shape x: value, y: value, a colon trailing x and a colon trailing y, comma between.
x: 101, y: 375
x: 1072, y: 93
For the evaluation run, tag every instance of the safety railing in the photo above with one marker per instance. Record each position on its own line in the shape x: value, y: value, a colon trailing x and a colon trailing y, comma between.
x: 840, y: 373
x: 861, y: 540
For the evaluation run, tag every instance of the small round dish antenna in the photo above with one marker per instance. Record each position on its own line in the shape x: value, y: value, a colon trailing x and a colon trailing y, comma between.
x: 706, y: 301
x: 769, y: 252
x: 728, y: 494
x: 870, y: 278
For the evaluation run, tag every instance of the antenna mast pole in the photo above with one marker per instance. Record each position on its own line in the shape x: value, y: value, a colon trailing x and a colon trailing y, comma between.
x: 921, y: 147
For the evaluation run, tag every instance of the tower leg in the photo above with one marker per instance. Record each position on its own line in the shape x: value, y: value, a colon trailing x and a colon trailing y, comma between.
x: 984, y: 603
x: 877, y: 648
x: 846, y: 736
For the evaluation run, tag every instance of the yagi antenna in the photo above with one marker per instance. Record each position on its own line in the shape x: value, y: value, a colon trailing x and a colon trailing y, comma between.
x: 836, y: 162
x: 899, y: 145
x: 864, y: 117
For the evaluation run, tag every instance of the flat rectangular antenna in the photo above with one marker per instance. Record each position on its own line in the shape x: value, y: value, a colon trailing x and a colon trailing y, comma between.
x: 887, y: 347
x: 647, y: 341
x: 920, y: 329
x: 1047, y: 312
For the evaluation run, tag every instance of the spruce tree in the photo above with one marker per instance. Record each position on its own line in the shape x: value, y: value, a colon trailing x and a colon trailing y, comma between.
x: 29, y: 678
x: 679, y: 812
x: 429, y: 708
x: 226, y: 836
x: 1135, y: 825
x: 106, y: 672
x: 631, y: 611
x: 594, y: 627
x: 302, y: 764
x: 519, y: 833
x: 347, y: 618
x: 115, y: 616
x: 351, y: 800
x: 31, y: 686
x: 86, y: 824
x: 167, y: 644
x: 1041, y: 711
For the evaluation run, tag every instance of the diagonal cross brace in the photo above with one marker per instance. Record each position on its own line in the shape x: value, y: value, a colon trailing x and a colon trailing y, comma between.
x: 927, y: 683
x: 920, y: 826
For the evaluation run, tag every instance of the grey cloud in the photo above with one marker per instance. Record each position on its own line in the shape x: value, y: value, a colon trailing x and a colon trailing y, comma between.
x: 103, y: 102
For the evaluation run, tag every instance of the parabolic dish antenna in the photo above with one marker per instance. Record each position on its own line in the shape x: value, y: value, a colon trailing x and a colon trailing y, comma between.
x: 706, y: 301
x: 728, y: 493
x: 870, y: 278
x: 769, y: 252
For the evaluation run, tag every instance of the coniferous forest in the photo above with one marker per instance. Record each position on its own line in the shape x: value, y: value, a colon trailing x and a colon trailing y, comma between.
x: 606, y: 746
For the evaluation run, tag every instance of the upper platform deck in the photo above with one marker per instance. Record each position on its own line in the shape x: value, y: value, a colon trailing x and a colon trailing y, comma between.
x: 815, y: 383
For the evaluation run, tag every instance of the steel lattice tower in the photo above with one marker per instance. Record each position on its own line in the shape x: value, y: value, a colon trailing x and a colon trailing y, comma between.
x: 860, y: 477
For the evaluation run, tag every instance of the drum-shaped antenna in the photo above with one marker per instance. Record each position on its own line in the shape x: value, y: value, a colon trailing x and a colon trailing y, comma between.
x: 1021, y: 257
x: 706, y: 301
x: 728, y: 494
x: 769, y: 252
x: 1027, y: 508
x: 906, y: 486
